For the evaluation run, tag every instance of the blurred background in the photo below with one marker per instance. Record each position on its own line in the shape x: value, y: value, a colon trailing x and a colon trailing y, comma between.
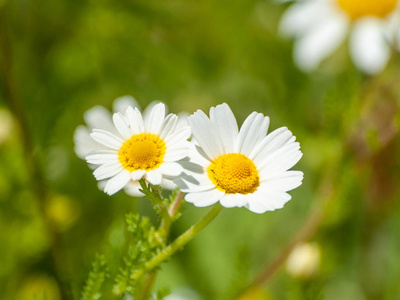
x: 336, y: 239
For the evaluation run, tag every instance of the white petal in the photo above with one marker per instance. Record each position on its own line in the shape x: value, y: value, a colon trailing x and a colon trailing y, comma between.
x: 194, y: 178
x: 107, y: 139
x: 117, y: 182
x: 99, y: 157
x: 287, y: 181
x: 122, y: 127
x: 182, y: 119
x: 197, y: 155
x: 84, y: 144
x: 206, y: 134
x: 171, y: 169
x: 176, y: 153
x: 253, y: 130
x: 280, y: 161
x: 154, y: 177
x: 148, y: 110
x: 192, y: 167
x: 256, y: 206
x: 135, y: 120
x: 99, y: 117
x: 192, y: 184
x: 155, y: 119
x: 267, y: 200
x: 234, y: 200
x: 101, y: 184
x: 224, y: 121
x: 168, y: 125
x: 303, y: 16
x: 319, y: 43
x: 107, y: 171
x: 179, y: 136
x: 168, y: 184
x: 368, y: 47
x: 132, y: 189
x: 122, y: 103
x: 271, y: 143
x: 206, y: 198
x: 136, y: 175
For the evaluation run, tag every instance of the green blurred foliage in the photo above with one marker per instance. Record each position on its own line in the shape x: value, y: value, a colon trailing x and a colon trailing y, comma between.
x: 59, y: 58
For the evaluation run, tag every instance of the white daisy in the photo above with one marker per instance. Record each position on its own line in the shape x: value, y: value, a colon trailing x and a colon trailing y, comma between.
x: 145, y: 147
x: 239, y: 168
x: 320, y: 26
x: 101, y: 118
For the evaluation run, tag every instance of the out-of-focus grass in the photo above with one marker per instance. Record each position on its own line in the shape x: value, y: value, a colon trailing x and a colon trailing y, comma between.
x: 61, y: 58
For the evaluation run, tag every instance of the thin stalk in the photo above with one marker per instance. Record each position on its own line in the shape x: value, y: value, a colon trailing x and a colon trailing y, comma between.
x: 164, y: 230
x: 167, y: 221
x: 176, y: 204
x: 147, y: 286
x: 181, y: 241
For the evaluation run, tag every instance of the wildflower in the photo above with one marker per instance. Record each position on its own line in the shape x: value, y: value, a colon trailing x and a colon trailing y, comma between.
x: 100, y: 118
x: 245, y: 168
x: 146, y: 146
x: 320, y: 26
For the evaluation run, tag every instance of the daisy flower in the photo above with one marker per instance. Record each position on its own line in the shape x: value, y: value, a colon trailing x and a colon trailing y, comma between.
x: 144, y: 147
x: 321, y: 26
x: 101, y: 118
x: 239, y: 168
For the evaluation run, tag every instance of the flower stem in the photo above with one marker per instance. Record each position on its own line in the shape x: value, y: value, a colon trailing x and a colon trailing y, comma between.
x: 178, y: 243
x: 164, y: 229
x: 146, y: 289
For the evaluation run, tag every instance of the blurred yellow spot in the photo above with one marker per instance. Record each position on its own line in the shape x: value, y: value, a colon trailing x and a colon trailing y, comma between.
x: 256, y: 293
x: 39, y: 287
x: 142, y: 152
x: 303, y: 262
x: 6, y: 124
x: 364, y: 8
x: 62, y: 211
x: 234, y: 173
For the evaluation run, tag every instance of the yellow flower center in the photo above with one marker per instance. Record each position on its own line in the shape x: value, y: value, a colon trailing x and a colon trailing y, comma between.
x: 234, y: 173
x: 363, y: 8
x: 142, y: 152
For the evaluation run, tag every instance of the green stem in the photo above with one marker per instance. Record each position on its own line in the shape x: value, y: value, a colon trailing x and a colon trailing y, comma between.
x: 146, y: 289
x: 167, y: 220
x: 165, y: 226
x: 175, y: 206
x: 181, y: 241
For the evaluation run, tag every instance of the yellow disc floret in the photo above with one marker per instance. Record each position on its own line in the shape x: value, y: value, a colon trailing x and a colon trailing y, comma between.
x: 363, y: 8
x: 234, y: 173
x: 142, y: 152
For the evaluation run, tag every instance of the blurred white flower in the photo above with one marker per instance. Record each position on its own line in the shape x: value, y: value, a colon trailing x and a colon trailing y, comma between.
x: 144, y: 147
x: 321, y: 26
x: 245, y: 168
x: 304, y: 260
x: 100, y: 118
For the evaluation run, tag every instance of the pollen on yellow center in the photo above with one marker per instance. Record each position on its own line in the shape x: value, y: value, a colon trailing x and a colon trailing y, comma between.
x: 363, y: 8
x: 142, y: 152
x: 234, y: 173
